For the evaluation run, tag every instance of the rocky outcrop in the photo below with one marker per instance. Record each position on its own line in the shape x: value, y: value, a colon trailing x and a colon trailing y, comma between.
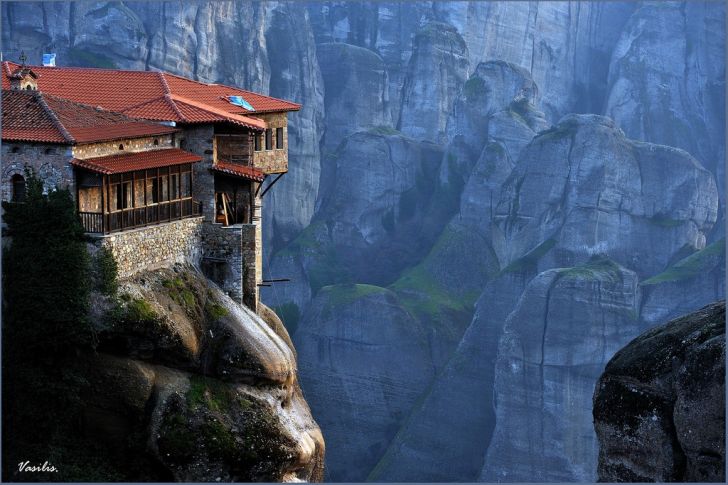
x: 375, y: 198
x: 459, y: 406
x: 666, y: 79
x: 436, y: 72
x: 691, y: 282
x: 563, y: 195
x: 208, y: 388
x: 294, y: 74
x: 659, y: 406
x: 363, y: 361
x: 567, y: 324
x: 357, y: 91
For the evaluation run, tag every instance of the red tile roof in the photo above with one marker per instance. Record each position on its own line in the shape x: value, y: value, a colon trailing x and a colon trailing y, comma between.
x: 38, y: 117
x: 152, y: 94
x: 236, y: 170
x: 128, y: 162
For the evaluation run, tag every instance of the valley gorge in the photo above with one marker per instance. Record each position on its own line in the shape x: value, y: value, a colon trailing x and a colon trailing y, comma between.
x: 486, y: 201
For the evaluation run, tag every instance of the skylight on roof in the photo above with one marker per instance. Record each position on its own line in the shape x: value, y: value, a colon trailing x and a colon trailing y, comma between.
x: 240, y: 101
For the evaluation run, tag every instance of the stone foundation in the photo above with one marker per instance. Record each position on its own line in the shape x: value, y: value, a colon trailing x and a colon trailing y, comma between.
x: 230, y: 258
x: 153, y: 246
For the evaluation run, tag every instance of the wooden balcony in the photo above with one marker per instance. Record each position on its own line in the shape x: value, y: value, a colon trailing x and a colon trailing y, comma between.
x: 135, y: 217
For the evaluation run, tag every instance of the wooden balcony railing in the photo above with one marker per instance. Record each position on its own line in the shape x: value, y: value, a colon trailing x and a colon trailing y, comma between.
x: 133, y: 217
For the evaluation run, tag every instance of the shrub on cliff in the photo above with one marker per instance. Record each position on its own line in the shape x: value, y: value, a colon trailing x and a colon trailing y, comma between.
x: 46, y: 275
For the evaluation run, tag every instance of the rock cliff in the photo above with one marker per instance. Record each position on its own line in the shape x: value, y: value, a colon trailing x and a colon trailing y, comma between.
x: 208, y: 388
x: 659, y: 406
x: 364, y: 360
x: 437, y: 157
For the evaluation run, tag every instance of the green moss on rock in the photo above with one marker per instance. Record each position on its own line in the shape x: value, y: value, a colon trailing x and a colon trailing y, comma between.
x: 691, y: 266
x: 529, y: 261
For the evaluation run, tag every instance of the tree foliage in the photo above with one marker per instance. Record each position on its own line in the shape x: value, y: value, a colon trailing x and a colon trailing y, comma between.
x: 45, y: 274
x: 46, y: 285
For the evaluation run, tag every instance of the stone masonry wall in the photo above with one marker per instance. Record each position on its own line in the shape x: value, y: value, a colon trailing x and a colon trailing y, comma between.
x: 231, y: 258
x: 153, y: 246
x: 222, y: 257
x: 93, y: 150
x: 252, y: 265
x: 275, y: 160
x: 50, y: 162
x: 198, y: 140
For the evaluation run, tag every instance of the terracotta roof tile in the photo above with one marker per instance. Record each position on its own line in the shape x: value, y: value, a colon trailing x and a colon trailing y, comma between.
x: 128, y: 162
x: 236, y: 170
x: 39, y: 117
x: 142, y: 93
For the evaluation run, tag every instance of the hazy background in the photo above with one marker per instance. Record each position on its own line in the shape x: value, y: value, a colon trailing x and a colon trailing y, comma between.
x: 475, y: 217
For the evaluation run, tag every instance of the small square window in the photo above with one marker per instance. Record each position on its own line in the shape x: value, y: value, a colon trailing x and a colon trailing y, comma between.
x: 268, y: 139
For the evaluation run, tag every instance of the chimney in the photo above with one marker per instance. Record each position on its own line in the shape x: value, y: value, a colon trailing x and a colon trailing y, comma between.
x: 23, y: 78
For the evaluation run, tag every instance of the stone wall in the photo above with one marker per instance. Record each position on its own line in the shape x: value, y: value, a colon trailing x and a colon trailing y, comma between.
x: 198, y: 140
x: 49, y: 161
x: 93, y: 150
x: 275, y: 160
x: 231, y: 257
x: 153, y: 246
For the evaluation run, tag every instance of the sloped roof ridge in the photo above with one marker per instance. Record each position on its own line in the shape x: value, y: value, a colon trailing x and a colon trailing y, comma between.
x: 228, y: 87
x: 54, y: 118
x: 163, y: 80
x: 213, y: 110
x: 120, y: 114
x: 170, y: 100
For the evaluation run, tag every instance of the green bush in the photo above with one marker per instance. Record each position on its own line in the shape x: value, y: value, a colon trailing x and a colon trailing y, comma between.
x: 46, y: 273
x: 46, y: 283
x: 108, y: 272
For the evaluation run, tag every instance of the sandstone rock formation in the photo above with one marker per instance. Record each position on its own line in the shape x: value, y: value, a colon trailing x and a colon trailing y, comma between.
x: 459, y: 225
x: 362, y: 374
x: 208, y: 388
x: 659, y: 406
x: 567, y: 324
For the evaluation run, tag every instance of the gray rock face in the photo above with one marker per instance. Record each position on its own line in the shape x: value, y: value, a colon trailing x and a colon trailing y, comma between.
x: 357, y: 91
x: 208, y: 389
x: 565, y: 45
x: 436, y: 72
x: 667, y: 79
x: 363, y: 362
x: 459, y: 406
x: 503, y: 205
x: 295, y: 74
x: 690, y: 283
x: 562, y: 191
x: 372, y: 202
x: 659, y: 407
x: 554, y: 346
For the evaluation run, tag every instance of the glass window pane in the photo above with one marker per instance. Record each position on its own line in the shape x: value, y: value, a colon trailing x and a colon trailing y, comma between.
x: 279, y: 138
x: 268, y: 139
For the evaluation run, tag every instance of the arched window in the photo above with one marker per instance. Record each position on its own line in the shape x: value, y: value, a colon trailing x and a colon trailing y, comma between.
x: 121, y: 147
x: 156, y: 141
x: 18, y: 188
x: 183, y: 143
x: 15, y: 149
